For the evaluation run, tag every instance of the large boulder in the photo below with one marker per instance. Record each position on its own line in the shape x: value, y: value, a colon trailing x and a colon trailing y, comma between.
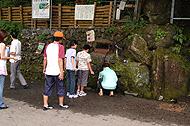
x: 171, y: 73
x: 139, y: 50
x: 134, y: 78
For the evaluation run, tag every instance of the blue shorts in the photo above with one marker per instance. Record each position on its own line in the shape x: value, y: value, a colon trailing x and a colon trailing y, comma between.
x: 50, y: 81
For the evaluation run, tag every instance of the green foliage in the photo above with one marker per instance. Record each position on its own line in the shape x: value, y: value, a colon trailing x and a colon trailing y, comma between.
x: 176, y: 49
x: 42, y: 37
x: 133, y: 25
x: 179, y: 37
x: 14, y: 3
x: 111, y: 30
x: 11, y: 26
x: 160, y: 34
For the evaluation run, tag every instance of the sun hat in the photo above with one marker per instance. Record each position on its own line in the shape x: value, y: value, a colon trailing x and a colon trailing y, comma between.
x: 59, y: 34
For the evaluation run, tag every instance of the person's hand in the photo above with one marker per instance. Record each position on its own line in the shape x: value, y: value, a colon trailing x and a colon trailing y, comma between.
x: 61, y: 77
x: 92, y: 72
x: 14, y: 58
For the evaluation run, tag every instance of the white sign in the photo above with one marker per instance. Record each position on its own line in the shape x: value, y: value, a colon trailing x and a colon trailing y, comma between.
x: 118, y: 14
x: 40, y: 8
x: 122, y: 5
x: 84, y: 12
x: 90, y: 36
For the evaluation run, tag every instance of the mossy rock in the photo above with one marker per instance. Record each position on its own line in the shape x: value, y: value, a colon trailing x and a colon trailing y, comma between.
x: 171, y: 74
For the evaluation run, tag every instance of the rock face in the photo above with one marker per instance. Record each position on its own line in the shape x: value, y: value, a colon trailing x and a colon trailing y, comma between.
x: 170, y: 74
x: 134, y: 77
x: 157, y: 12
x: 139, y: 50
x: 166, y: 73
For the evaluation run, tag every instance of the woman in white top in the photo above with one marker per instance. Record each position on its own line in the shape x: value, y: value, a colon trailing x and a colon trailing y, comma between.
x: 3, y: 67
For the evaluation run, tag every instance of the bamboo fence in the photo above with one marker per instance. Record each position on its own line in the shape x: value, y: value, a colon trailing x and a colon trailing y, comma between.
x: 62, y: 17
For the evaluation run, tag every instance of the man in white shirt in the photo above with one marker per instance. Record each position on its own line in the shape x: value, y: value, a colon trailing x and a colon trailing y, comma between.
x: 15, y: 51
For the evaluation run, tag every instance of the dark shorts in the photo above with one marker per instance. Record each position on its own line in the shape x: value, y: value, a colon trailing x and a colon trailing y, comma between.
x: 50, y: 81
x: 83, y: 77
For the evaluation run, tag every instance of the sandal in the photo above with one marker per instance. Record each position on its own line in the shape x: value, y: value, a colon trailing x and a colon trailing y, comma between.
x: 47, y: 108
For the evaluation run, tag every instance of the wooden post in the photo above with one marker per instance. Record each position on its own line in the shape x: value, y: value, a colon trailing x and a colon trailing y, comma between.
x: 35, y: 23
x: 110, y: 13
x: 21, y: 14
x: 75, y: 22
x: 136, y: 10
x: 59, y: 16
x: 9, y: 13
x: 94, y: 14
x: 0, y: 14
x: 139, y: 9
x: 114, y: 10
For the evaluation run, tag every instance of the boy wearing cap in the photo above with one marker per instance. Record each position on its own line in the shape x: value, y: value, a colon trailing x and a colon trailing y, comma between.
x: 84, y: 66
x: 54, y: 55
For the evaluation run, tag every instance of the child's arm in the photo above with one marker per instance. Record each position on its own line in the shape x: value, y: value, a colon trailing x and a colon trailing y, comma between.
x: 60, y: 62
x: 73, y: 63
x: 44, y: 64
x: 90, y: 68
x: 3, y: 57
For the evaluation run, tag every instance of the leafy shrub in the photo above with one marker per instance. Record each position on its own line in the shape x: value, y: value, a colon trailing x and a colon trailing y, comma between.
x: 133, y: 25
x: 160, y: 34
x: 11, y: 26
x: 179, y: 38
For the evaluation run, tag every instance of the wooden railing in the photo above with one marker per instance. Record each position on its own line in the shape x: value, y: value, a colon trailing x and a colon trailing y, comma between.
x: 62, y: 17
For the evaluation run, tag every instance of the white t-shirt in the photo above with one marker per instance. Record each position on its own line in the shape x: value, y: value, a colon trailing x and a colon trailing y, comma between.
x: 53, y: 52
x: 83, y: 58
x: 15, y: 47
x: 70, y: 53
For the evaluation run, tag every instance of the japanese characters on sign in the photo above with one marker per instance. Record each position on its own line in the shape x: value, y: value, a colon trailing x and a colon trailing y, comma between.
x: 84, y: 12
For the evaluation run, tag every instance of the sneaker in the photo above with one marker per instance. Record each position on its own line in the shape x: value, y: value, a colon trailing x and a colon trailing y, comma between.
x: 82, y: 93
x: 25, y: 86
x: 73, y: 96
x: 78, y: 92
x: 47, y: 108
x: 64, y: 106
x: 12, y: 87
x: 68, y: 94
x: 4, y: 107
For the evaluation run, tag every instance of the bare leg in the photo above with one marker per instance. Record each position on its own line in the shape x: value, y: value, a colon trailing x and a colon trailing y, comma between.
x: 82, y: 88
x: 45, y: 100
x: 61, y: 100
x: 78, y: 89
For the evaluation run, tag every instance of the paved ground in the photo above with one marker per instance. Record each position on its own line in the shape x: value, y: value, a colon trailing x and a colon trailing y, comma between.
x: 22, y: 114
x: 25, y: 109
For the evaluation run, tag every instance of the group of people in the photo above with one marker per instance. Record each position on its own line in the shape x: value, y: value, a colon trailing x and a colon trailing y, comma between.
x: 56, y: 63
x: 13, y: 54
